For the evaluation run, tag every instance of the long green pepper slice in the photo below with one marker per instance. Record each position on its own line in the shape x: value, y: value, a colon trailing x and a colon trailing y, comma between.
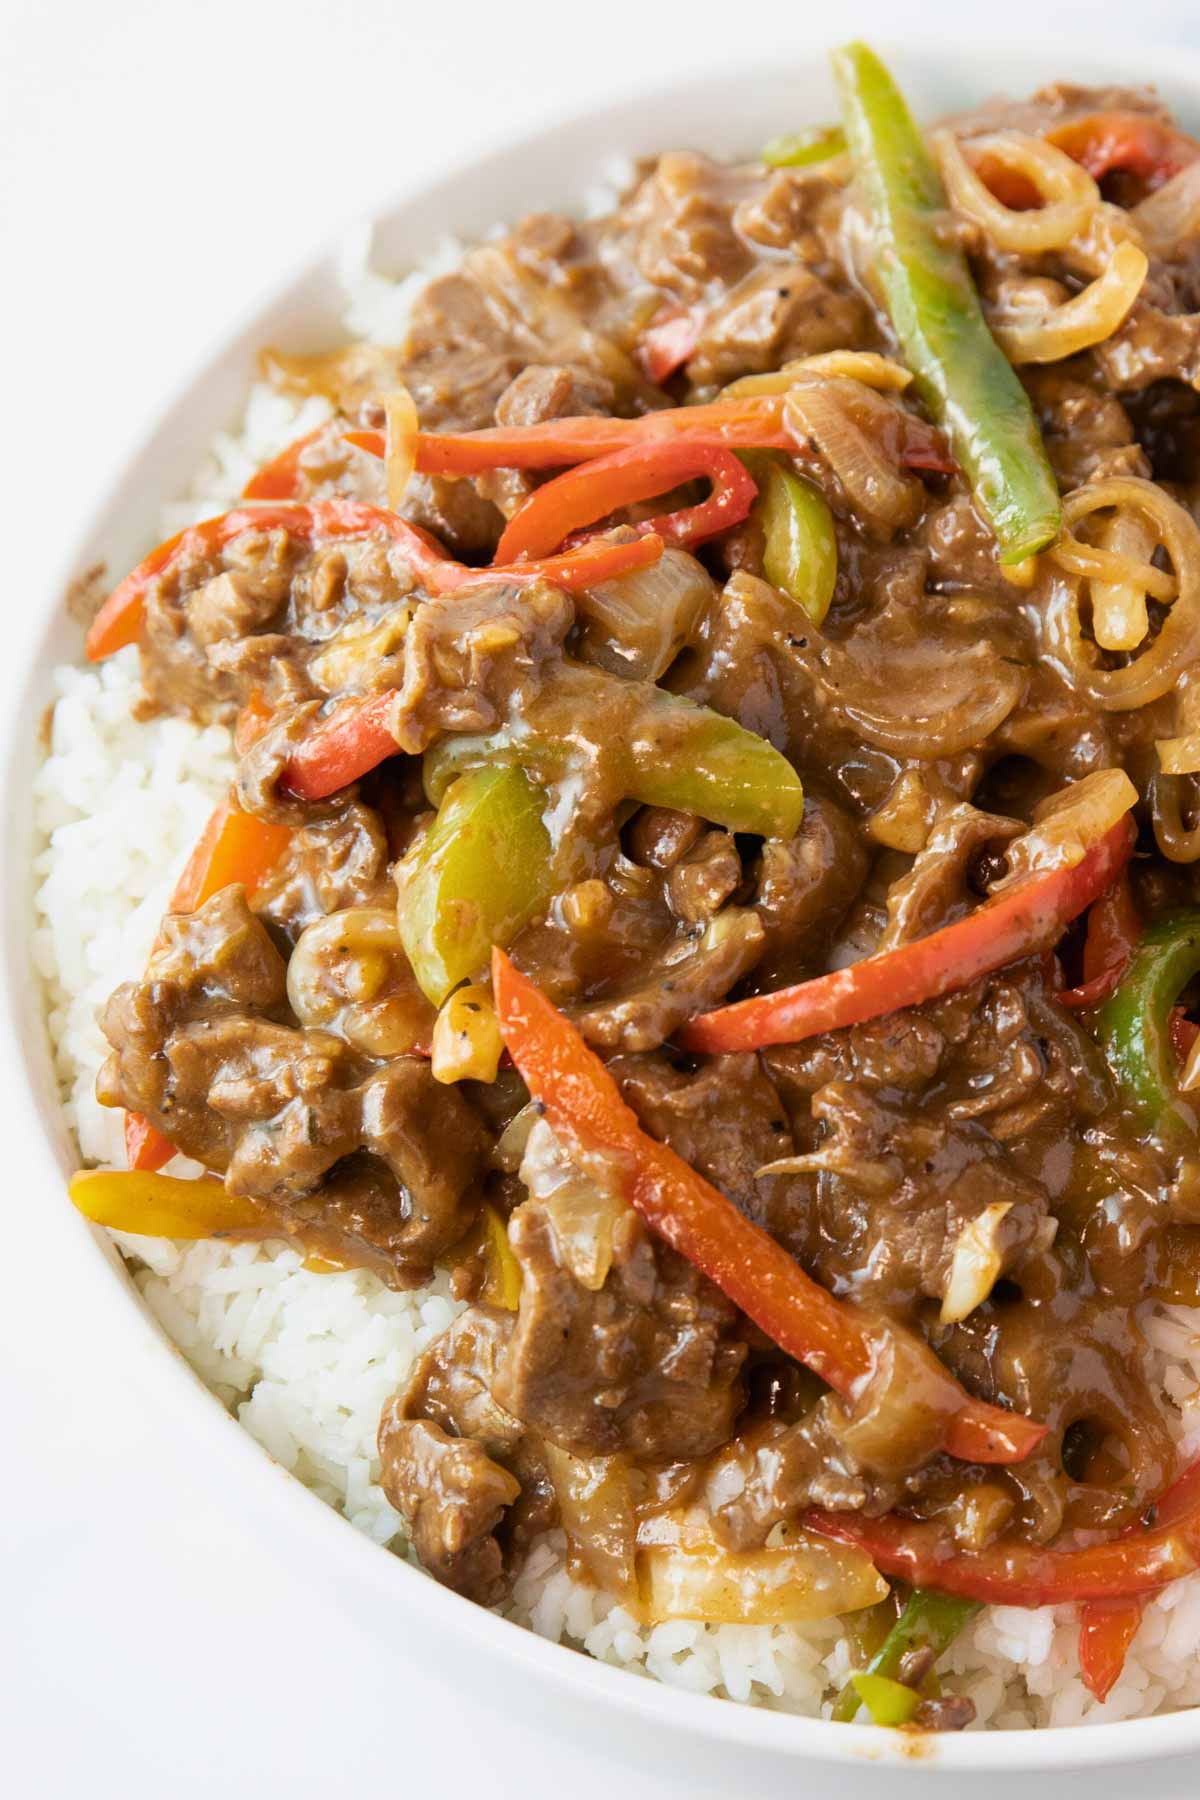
x: 959, y: 370
x: 1135, y: 1025
x: 929, y: 1619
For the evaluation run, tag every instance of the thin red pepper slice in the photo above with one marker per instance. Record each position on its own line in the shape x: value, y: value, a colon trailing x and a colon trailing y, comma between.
x: 355, y: 740
x: 592, y: 490
x: 280, y: 479
x: 1011, y: 925
x: 1143, y: 146
x: 234, y: 846
x: 580, y: 1100
x: 1108, y: 1627
x: 1017, y: 1574
x: 669, y: 341
x: 119, y: 620
x: 1113, y: 930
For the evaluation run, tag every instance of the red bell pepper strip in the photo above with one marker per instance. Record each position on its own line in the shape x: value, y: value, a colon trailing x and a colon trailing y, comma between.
x: 1113, y: 930
x: 668, y: 341
x: 280, y: 479
x: 1017, y: 1574
x: 355, y: 740
x: 1108, y: 1627
x: 120, y: 618
x: 589, y: 492
x: 1013, y: 924
x: 1135, y: 142
x: 581, y: 1101
x: 234, y: 846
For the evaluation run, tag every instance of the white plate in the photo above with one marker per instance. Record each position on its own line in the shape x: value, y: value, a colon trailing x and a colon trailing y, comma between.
x: 748, y: 1747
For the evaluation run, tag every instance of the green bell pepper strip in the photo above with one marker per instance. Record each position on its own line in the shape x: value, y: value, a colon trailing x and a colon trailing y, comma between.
x: 1135, y: 1024
x: 799, y: 542
x: 798, y: 149
x: 888, y: 1702
x: 928, y: 1620
x: 482, y: 871
x: 959, y: 370
x: 673, y: 753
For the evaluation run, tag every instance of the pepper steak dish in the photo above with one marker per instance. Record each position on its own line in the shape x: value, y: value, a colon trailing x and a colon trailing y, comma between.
x: 711, y: 865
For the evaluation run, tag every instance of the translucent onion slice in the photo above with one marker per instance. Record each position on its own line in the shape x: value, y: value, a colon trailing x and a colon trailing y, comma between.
x: 831, y: 414
x: 1119, y: 617
x: 1171, y: 213
x: 595, y: 1506
x: 806, y: 1578
x: 866, y: 366
x: 977, y: 1261
x: 1088, y: 319
x: 400, y: 459
x: 1177, y: 644
x: 1069, y: 195
x: 1179, y: 755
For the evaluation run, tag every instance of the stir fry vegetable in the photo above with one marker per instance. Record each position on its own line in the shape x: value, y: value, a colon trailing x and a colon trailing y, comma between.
x: 1113, y: 929
x: 1107, y: 1628
x: 668, y: 341
x: 1135, y: 1025
x: 799, y: 543
x: 672, y: 753
x: 888, y: 1701
x: 800, y: 149
x: 1013, y: 1573
x: 1029, y: 916
x: 147, y: 1204
x: 477, y: 876
x: 592, y: 490
x: 119, y: 621
x: 835, y: 1340
x: 1135, y: 142
x: 960, y: 372
x: 234, y: 847
x: 929, y: 1621
x: 488, y: 1240
x: 280, y: 478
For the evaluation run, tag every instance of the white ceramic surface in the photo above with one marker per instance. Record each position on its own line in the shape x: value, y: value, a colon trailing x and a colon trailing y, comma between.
x: 584, y: 1699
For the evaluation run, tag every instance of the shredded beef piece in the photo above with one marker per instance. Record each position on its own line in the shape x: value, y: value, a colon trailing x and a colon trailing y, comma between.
x: 453, y: 1496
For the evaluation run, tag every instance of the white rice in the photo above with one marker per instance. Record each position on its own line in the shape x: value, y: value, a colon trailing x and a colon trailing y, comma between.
x: 306, y: 1361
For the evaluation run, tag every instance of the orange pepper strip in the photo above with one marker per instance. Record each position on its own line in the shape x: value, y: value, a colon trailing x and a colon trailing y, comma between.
x: 1108, y: 1627
x: 1113, y: 930
x: 669, y: 341
x: 1017, y: 1574
x: 581, y: 1101
x: 280, y: 479
x: 1105, y: 141
x: 590, y: 491
x: 235, y: 846
x: 119, y: 620
x: 1011, y: 925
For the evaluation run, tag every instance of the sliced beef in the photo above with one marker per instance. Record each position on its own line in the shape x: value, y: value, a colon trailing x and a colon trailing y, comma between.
x: 452, y: 1496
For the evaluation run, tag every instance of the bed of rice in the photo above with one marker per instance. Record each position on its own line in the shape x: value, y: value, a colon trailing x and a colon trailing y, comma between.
x: 307, y: 1360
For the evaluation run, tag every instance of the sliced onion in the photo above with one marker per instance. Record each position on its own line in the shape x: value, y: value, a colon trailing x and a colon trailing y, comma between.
x: 1173, y: 212
x: 865, y: 366
x: 1177, y: 645
x: 1119, y: 617
x: 1088, y: 319
x: 1179, y: 755
x: 1068, y: 824
x: 975, y: 1264
x: 695, y: 1578
x: 400, y: 458
x: 637, y: 624
x: 595, y: 1505
x: 832, y: 414
x: 583, y: 1215
x: 1068, y: 193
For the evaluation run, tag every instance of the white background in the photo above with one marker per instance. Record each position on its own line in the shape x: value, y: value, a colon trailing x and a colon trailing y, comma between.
x: 160, y: 164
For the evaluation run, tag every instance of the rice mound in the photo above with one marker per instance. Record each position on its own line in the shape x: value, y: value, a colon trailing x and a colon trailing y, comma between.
x: 306, y: 1361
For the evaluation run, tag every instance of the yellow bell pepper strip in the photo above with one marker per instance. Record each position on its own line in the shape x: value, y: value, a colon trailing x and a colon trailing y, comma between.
x: 829, y: 1336
x: 799, y: 542
x: 888, y: 1701
x: 959, y: 370
x: 1108, y: 1627
x: 928, y: 1620
x: 119, y: 621
x: 147, y: 1204
x: 592, y: 490
x: 1013, y: 1573
x: 1016, y: 922
x: 1136, y: 1024
x: 480, y: 873
x: 672, y: 753
x: 235, y: 846
x: 488, y: 1237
